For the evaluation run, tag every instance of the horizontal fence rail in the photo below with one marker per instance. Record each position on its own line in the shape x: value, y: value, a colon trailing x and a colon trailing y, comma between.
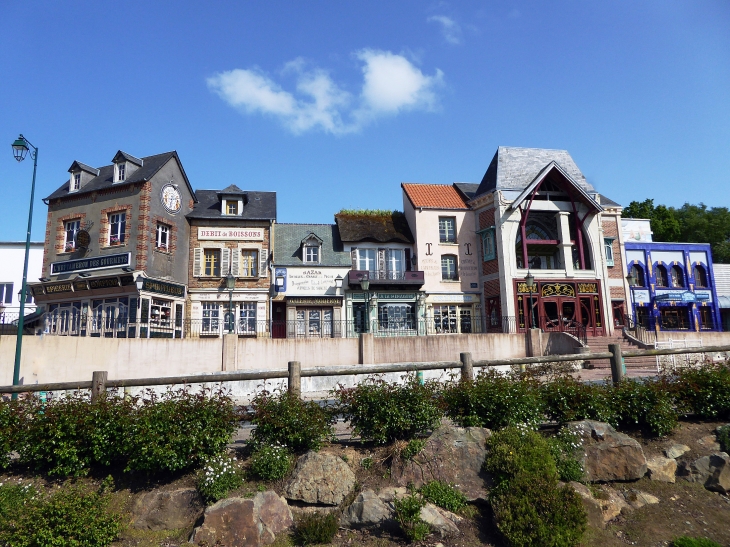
x: 294, y: 372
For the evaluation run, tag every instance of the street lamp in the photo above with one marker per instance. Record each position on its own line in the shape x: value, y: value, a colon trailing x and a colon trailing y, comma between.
x: 21, y: 146
x: 365, y: 284
x: 631, y: 278
x: 530, y: 282
x: 230, y: 285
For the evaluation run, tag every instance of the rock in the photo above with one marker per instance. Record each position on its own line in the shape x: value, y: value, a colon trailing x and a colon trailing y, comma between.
x: 709, y: 442
x: 719, y: 479
x: 638, y: 499
x: 609, y: 455
x: 697, y: 471
x: 451, y: 454
x: 440, y: 520
x: 676, y: 451
x: 368, y: 510
x: 172, y: 510
x: 320, y: 478
x: 250, y: 522
x: 389, y: 493
x: 662, y: 469
x: 611, y: 503
x: 590, y: 504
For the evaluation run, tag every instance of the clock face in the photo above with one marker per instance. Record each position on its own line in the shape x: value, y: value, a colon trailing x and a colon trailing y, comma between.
x: 170, y: 197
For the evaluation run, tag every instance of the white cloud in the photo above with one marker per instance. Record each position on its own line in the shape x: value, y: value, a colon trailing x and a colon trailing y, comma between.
x: 391, y: 84
x: 450, y: 29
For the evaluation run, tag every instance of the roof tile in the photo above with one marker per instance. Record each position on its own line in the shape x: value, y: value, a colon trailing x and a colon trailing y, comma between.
x: 434, y: 196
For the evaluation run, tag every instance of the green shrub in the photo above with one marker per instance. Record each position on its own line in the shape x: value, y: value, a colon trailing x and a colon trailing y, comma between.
x: 68, y: 517
x: 704, y: 391
x: 494, y: 400
x: 408, y: 515
x: 564, y: 448
x: 366, y: 463
x: 723, y: 437
x: 316, y: 528
x: 649, y: 404
x: 518, y: 450
x: 413, y: 448
x: 9, y: 421
x: 286, y: 419
x: 444, y: 495
x: 219, y: 475
x: 179, y: 430
x: 270, y: 462
x: 567, y: 399
x: 686, y: 541
x: 382, y: 412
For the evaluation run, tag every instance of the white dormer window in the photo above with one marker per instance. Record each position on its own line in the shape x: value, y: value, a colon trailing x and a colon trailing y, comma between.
x: 311, y: 254
x: 121, y: 172
x: 75, y: 181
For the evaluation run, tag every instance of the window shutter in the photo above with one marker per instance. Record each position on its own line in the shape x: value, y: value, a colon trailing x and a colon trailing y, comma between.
x: 225, y: 261
x: 408, y: 260
x: 381, y: 264
x: 235, y: 262
x: 197, y: 261
x: 353, y: 256
x: 262, y: 262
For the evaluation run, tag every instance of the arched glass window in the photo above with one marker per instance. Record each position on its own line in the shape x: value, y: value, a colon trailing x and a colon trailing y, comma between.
x: 677, y: 276
x: 700, y: 276
x: 638, y: 273
x: 661, y: 276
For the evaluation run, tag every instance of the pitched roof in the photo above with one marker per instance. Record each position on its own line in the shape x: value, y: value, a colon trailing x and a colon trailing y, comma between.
x: 105, y: 178
x: 260, y: 206
x: 380, y: 228
x: 607, y: 202
x: 78, y: 166
x: 121, y: 155
x: 467, y: 189
x: 231, y: 190
x: 288, y: 244
x: 515, y: 168
x: 433, y: 196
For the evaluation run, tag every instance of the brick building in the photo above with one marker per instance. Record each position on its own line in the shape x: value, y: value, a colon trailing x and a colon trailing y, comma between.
x: 230, y: 235
x: 108, y: 228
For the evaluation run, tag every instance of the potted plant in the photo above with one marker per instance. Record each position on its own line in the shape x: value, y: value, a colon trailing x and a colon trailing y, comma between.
x: 69, y: 247
x: 113, y: 240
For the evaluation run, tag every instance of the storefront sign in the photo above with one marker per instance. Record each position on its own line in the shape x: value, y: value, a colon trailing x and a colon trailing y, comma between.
x: 704, y: 296
x: 230, y: 234
x: 80, y: 286
x: 675, y: 296
x: 457, y: 298
x: 104, y: 283
x: 208, y: 297
x: 162, y: 287
x: 296, y: 301
x: 395, y: 296
x: 83, y: 239
x: 312, y: 281
x: 58, y: 288
x: 642, y: 296
x: 557, y: 289
x: 85, y: 264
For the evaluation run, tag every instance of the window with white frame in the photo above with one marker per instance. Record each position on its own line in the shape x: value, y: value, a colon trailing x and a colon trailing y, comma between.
x: 608, y: 246
x: 210, y: 324
x: 488, y: 248
x: 121, y: 172
x: 75, y: 182
x: 249, y: 263
x: 449, y: 269
x: 162, y: 242
x: 247, y: 318
x: 311, y: 253
x: 395, y: 263
x: 117, y: 228
x: 71, y: 228
x: 447, y: 229
x: 6, y: 293
x: 366, y: 259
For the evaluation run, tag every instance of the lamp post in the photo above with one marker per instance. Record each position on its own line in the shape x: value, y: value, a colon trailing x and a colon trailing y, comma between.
x: 631, y: 278
x: 338, y: 284
x: 230, y: 285
x: 21, y: 146
x: 365, y: 284
x: 530, y: 282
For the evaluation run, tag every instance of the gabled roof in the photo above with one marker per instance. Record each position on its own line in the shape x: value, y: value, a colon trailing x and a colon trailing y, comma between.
x: 311, y: 236
x: 231, y: 190
x: 260, y: 206
x: 433, y: 196
x: 78, y: 166
x: 383, y: 228
x: 608, y: 202
x: 119, y: 156
x: 105, y: 178
x: 467, y: 189
x: 288, y: 244
x: 549, y: 168
x: 515, y: 168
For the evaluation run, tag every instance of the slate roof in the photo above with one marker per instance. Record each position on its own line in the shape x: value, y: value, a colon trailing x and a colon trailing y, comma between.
x: 288, y: 244
x: 231, y: 190
x: 608, y: 202
x: 77, y: 165
x: 378, y: 228
x: 515, y: 168
x: 260, y: 206
x: 105, y: 178
x: 467, y: 189
x: 434, y: 196
x: 128, y: 157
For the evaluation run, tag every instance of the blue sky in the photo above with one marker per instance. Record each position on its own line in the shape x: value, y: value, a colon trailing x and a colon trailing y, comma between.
x: 334, y: 104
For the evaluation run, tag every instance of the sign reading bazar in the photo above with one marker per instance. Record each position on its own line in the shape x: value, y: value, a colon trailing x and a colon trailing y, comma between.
x: 85, y: 264
x: 230, y: 234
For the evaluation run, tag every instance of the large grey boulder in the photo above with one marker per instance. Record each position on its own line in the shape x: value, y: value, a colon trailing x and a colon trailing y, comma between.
x: 244, y: 522
x: 696, y: 471
x: 676, y: 450
x: 719, y: 479
x: 440, y: 520
x: 451, y: 454
x: 320, y: 478
x: 167, y: 510
x: 368, y: 510
x: 608, y: 454
x: 662, y: 469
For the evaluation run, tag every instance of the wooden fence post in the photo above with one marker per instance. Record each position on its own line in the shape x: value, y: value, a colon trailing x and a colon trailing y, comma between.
x: 617, y: 369
x: 295, y: 378
x: 467, y: 368
x: 98, y: 384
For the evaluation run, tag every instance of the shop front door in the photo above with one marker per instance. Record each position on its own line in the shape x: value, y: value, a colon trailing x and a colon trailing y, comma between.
x: 590, y: 315
x: 558, y: 315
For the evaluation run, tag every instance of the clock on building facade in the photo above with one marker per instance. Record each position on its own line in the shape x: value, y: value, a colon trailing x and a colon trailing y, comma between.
x: 171, y: 199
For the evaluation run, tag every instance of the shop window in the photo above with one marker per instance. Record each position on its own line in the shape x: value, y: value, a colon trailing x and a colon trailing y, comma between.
x: 366, y: 260
x: 675, y: 318
x: 444, y: 319
x: 449, y: 269
x: 161, y: 318
x: 210, y: 325
x: 465, y: 321
x: 489, y: 251
x: 677, y: 276
x: 314, y: 322
x: 447, y: 229
x: 396, y: 317
x: 117, y: 228
x: 608, y: 248
x: 661, y: 276
x: 249, y: 263
x: 706, y: 319
x: 64, y: 319
x: 212, y: 262
x: 162, y: 242
x: 700, y: 276
x: 247, y: 318
x: 71, y: 228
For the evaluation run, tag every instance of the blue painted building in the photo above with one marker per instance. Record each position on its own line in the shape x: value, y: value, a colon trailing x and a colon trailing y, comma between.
x: 674, y: 287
